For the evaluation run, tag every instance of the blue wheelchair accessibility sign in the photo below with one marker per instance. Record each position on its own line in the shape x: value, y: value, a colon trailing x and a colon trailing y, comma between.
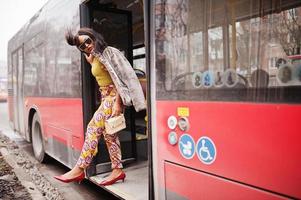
x: 206, y: 150
x: 186, y: 146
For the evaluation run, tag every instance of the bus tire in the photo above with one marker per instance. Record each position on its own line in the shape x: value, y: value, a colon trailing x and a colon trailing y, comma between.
x: 37, y: 140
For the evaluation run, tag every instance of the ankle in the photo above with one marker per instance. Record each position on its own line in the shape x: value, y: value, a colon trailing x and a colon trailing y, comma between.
x: 117, y: 171
x: 76, y: 170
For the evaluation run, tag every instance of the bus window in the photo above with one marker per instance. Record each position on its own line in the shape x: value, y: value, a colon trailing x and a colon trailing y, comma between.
x: 215, y: 45
x: 233, y: 50
x: 34, y: 64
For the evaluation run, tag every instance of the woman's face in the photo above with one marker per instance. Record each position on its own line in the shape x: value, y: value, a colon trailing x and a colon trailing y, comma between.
x: 86, y: 44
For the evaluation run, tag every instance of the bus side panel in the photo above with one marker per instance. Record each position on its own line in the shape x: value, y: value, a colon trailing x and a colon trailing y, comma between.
x: 192, y: 184
x: 255, y: 144
x: 62, y: 126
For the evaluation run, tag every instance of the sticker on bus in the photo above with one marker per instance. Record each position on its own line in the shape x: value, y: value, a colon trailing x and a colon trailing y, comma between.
x: 230, y: 78
x: 187, y: 146
x: 183, y: 111
x: 206, y: 150
x: 208, y: 79
x: 172, y: 122
x: 197, y: 79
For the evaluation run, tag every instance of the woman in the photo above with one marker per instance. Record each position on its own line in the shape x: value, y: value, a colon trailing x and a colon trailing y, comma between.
x: 119, y: 86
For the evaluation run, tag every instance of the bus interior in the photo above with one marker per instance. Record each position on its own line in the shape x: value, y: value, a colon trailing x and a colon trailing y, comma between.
x: 122, y: 26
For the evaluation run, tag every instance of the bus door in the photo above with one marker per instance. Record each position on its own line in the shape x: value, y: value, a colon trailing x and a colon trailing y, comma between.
x: 15, y: 90
x: 20, y: 95
x: 17, y: 78
x: 116, y: 27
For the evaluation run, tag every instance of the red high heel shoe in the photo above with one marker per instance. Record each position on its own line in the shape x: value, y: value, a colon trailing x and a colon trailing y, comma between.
x: 66, y: 180
x: 120, y: 177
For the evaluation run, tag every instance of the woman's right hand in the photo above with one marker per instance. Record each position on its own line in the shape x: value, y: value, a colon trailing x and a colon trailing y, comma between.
x: 89, y: 58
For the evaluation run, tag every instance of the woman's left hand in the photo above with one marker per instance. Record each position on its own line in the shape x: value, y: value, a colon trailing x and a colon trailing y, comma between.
x: 117, y: 108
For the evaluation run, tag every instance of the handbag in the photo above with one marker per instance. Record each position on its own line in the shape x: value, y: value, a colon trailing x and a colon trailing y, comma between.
x: 115, y: 124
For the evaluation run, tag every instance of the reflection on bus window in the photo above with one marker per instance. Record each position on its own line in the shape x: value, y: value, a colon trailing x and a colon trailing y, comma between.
x: 215, y: 41
x: 259, y: 42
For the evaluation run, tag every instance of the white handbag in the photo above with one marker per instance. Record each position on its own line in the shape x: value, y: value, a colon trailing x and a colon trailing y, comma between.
x: 115, y: 124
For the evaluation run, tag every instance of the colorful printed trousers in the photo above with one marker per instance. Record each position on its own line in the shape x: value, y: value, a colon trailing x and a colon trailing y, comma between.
x: 96, y: 128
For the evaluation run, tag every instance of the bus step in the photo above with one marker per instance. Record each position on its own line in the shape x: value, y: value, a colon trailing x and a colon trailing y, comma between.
x: 135, y: 185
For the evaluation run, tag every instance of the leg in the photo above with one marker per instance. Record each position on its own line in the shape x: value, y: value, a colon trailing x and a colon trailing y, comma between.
x: 113, y: 144
x: 94, y: 130
x: 89, y: 149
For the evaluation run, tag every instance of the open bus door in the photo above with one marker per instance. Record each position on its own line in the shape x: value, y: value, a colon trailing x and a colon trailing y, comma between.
x: 116, y: 27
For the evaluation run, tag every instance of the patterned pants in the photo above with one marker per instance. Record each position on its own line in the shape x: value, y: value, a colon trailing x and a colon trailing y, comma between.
x: 96, y: 128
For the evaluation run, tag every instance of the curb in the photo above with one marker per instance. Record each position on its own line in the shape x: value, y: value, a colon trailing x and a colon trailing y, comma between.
x: 24, y: 178
x: 28, y: 174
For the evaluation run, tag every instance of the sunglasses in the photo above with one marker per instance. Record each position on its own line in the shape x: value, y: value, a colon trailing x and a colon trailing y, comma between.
x: 84, y: 45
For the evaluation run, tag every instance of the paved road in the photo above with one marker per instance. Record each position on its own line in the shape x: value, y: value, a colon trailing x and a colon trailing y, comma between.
x: 73, y: 191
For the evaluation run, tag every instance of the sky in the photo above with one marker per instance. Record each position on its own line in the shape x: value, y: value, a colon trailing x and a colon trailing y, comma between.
x: 13, y: 15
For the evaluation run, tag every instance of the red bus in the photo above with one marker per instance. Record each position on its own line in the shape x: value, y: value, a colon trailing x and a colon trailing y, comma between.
x: 225, y: 112
x: 223, y: 94
x: 52, y: 94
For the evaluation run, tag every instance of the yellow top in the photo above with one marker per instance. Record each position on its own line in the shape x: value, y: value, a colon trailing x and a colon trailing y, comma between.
x: 100, y: 73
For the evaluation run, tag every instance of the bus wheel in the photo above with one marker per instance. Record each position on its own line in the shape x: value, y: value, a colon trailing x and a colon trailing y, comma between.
x: 37, y: 140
